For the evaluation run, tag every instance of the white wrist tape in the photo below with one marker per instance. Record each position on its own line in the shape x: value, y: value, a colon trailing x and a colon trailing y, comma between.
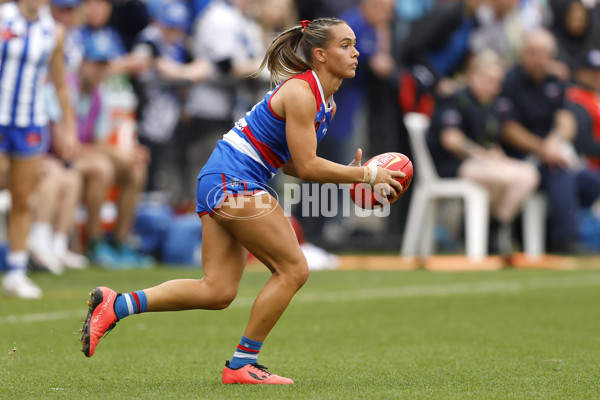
x: 373, y: 175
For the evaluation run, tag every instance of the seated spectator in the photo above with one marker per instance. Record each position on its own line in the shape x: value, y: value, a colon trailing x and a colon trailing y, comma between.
x: 58, y: 190
x: 539, y: 126
x: 57, y: 193
x: 103, y: 164
x: 464, y: 139
x: 572, y: 28
x: 584, y: 98
x: 435, y: 50
x: 498, y: 29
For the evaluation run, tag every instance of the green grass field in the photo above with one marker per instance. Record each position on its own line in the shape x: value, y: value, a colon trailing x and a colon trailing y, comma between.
x: 347, y: 335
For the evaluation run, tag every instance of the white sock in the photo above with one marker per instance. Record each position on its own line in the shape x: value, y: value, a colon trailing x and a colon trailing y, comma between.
x: 60, y: 244
x: 16, y: 262
x: 41, y: 232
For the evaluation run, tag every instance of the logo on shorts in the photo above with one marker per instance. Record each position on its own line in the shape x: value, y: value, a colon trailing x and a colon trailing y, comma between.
x: 242, y: 200
x: 33, y: 139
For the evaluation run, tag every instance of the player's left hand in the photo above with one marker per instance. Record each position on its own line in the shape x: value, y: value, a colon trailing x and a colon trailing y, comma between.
x: 357, y: 159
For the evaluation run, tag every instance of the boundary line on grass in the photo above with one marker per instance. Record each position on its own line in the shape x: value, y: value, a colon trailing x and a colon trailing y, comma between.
x: 449, y: 289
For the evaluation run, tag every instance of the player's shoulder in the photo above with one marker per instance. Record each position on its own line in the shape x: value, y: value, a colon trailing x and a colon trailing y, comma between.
x: 296, y: 89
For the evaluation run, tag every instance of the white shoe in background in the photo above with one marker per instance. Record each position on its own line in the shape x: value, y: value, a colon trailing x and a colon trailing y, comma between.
x: 72, y: 260
x: 44, y: 257
x: 317, y: 258
x: 19, y: 285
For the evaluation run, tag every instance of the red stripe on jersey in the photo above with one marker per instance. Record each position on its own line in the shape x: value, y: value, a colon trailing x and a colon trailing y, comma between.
x: 264, y: 149
x: 240, y: 347
x: 224, y: 183
x: 137, y: 300
x: 309, y: 78
x: 269, y: 103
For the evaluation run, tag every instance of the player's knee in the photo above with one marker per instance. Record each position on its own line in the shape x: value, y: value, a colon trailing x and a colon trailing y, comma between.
x: 224, y: 298
x: 20, y: 202
x: 297, y: 276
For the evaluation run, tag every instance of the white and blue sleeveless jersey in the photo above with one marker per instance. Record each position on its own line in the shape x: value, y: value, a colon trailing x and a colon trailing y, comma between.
x: 25, y: 50
x: 257, y: 145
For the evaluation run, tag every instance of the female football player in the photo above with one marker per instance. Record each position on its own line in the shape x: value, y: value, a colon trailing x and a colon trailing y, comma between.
x: 239, y: 215
x: 30, y: 42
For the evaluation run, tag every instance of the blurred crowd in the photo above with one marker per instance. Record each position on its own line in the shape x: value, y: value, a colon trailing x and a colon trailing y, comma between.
x: 512, y: 88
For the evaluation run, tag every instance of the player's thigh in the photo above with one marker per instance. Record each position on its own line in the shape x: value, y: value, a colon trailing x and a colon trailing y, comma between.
x: 23, y: 175
x: 223, y: 256
x: 263, y: 228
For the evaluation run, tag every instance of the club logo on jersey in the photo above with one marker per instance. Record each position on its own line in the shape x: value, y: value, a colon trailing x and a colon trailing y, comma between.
x: 319, y: 123
x: 6, y: 34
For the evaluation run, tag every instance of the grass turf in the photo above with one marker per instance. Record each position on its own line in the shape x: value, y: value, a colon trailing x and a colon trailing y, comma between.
x: 347, y: 335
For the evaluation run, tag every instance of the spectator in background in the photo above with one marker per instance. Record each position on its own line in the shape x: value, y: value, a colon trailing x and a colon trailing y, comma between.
x: 573, y: 31
x: 539, y: 126
x: 371, y: 22
x: 102, y: 164
x: 584, y: 98
x: 437, y: 49
x: 97, y: 15
x: 159, y: 99
x: 32, y: 42
x: 129, y: 18
x: 59, y: 188
x: 464, y: 140
x: 274, y: 17
x: 221, y: 37
x: 57, y: 196
x: 67, y: 13
x: 498, y: 29
x: 408, y: 11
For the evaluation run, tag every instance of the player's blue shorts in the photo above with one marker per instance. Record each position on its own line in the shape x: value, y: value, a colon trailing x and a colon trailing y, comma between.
x: 213, y: 190
x: 24, y: 142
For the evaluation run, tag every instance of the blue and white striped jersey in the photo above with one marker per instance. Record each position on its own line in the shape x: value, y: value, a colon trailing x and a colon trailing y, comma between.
x: 25, y: 51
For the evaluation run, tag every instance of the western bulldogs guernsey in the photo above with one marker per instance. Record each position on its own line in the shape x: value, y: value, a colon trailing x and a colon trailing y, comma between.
x: 26, y: 48
x: 257, y: 146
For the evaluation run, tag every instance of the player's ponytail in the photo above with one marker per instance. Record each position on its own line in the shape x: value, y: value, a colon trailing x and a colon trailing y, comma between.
x: 291, y: 51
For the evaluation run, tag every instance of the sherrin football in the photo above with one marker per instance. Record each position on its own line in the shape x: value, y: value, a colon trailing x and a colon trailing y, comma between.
x: 363, y: 195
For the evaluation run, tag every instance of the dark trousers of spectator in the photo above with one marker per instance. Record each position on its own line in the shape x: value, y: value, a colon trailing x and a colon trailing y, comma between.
x: 568, y: 192
x: 196, y: 140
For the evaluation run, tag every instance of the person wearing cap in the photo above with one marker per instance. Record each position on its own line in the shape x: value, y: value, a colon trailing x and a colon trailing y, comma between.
x: 539, y: 126
x: 584, y: 98
x: 160, y: 89
x: 97, y: 15
x: 102, y: 164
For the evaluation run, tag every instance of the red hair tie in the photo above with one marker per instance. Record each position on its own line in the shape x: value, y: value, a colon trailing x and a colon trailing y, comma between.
x: 304, y: 24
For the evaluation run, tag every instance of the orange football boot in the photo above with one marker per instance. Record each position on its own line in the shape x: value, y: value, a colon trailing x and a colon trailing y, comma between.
x: 100, y: 319
x: 252, y: 374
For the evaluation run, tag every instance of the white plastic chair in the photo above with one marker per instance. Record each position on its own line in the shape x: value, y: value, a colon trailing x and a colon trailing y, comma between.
x: 429, y: 188
x: 534, y: 225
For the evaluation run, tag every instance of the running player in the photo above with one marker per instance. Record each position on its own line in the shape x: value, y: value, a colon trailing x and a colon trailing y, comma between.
x: 30, y: 42
x: 281, y: 131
